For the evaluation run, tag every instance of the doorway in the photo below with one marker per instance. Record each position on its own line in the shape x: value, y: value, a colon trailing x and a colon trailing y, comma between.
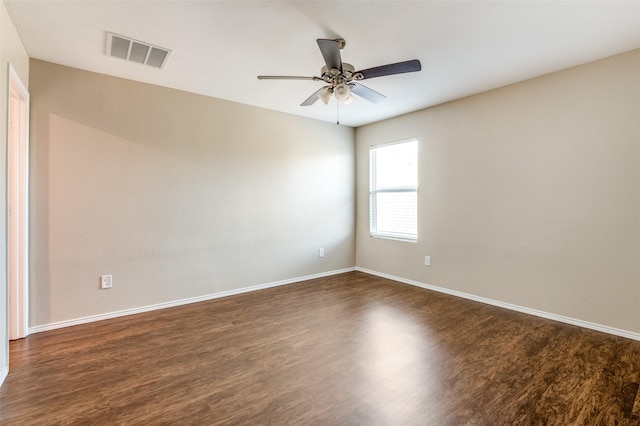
x: 17, y: 206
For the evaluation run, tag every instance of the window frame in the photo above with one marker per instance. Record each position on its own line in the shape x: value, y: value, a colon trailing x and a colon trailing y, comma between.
x: 373, y: 191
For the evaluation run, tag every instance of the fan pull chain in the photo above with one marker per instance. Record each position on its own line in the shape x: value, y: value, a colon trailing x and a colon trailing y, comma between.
x: 337, y: 112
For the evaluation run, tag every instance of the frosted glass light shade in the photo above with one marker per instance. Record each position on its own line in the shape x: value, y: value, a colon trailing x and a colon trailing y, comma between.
x: 341, y: 91
x: 325, y: 95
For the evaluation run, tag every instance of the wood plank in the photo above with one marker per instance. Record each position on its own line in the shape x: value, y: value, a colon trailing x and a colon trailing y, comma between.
x: 347, y: 349
x: 635, y: 409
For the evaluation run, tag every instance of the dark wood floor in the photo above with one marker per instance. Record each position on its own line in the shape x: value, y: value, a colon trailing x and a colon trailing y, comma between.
x: 352, y: 349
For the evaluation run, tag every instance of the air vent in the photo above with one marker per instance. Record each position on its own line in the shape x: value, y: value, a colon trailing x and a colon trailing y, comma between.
x: 136, y: 51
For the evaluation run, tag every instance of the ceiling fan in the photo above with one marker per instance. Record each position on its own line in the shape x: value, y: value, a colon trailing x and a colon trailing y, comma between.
x: 342, y: 79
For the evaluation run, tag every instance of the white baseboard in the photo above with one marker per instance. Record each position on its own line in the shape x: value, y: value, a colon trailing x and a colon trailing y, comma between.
x: 542, y: 314
x: 132, y: 311
x: 3, y: 374
x: 517, y: 308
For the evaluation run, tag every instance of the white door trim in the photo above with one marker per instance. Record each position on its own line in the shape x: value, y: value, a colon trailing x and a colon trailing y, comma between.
x: 17, y: 205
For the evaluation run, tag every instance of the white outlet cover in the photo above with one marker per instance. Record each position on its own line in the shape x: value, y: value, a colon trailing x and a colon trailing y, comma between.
x: 427, y: 260
x: 106, y: 281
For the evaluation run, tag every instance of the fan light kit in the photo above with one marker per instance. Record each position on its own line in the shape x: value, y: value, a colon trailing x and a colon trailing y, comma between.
x: 342, y: 79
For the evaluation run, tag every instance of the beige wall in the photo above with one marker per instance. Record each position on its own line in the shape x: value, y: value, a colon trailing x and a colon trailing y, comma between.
x: 11, y: 51
x: 177, y: 195
x: 529, y: 194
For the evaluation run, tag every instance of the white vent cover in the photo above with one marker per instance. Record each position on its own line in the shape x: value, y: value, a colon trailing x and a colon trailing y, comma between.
x: 136, y: 51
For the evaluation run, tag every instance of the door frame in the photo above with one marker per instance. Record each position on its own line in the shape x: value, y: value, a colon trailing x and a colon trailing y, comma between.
x: 17, y: 206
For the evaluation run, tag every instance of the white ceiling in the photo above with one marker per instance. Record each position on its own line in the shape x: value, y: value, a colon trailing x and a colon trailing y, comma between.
x: 219, y: 47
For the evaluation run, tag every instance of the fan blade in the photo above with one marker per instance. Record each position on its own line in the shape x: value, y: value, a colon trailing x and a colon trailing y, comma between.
x: 284, y: 77
x: 397, y: 68
x: 330, y: 50
x: 367, y: 93
x: 312, y: 99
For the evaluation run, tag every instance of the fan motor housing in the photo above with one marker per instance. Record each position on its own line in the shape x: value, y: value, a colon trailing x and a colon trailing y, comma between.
x: 335, y: 76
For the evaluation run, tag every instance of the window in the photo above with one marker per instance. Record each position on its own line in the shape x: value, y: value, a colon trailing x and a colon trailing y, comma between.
x: 393, y: 196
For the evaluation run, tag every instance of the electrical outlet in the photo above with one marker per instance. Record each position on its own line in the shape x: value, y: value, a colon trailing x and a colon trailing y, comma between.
x: 427, y: 261
x: 106, y: 281
x: 321, y: 252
